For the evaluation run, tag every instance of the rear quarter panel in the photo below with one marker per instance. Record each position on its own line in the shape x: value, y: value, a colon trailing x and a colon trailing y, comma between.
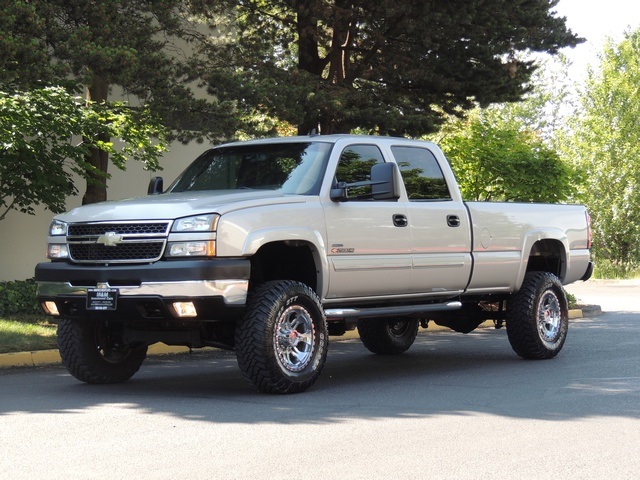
x: 504, y: 234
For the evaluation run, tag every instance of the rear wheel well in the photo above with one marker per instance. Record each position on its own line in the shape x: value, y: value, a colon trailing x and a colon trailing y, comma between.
x: 285, y: 260
x: 548, y: 256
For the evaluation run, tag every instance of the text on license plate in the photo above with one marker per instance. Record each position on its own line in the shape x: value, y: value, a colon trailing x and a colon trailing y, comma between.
x: 102, y: 298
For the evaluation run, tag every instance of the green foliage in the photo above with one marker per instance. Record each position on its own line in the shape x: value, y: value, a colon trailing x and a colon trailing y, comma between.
x: 618, y: 270
x: 139, y: 45
x: 18, y: 297
x: 497, y: 160
x: 46, y: 135
x: 603, y: 138
x: 388, y: 67
x: 35, y: 133
x: 571, y: 300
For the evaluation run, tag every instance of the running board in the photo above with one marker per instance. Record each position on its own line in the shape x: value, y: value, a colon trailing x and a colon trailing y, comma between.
x: 390, y: 311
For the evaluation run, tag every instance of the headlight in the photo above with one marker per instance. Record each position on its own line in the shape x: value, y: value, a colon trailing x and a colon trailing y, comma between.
x: 192, y: 249
x: 58, y: 228
x: 199, y: 223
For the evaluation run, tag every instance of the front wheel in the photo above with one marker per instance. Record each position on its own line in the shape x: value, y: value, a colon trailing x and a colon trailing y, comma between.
x: 281, y: 341
x: 388, y: 336
x: 93, y: 351
x: 538, y: 317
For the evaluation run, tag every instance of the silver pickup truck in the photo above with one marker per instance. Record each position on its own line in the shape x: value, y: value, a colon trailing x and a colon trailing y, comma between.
x: 268, y: 247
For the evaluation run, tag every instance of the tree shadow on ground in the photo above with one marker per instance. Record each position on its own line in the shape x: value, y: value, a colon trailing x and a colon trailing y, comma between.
x: 597, y: 374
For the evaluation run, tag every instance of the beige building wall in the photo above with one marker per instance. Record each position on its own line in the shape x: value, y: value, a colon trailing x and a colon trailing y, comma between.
x: 23, y: 237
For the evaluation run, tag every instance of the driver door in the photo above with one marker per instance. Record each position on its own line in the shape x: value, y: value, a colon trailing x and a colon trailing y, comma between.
x: 369, y: 242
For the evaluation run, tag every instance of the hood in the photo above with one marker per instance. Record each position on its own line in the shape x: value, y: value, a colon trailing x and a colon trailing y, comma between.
x: 177, y: 205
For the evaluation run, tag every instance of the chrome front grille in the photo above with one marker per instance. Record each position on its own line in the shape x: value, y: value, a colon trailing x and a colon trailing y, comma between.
x: 117, y: 242
x: 97, y: 229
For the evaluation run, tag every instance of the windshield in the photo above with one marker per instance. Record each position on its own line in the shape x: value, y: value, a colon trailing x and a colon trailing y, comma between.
x: 295, y: 168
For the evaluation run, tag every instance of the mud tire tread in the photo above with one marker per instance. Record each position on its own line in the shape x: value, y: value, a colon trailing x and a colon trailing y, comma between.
x: 80, y: 355
x: 522, y: 328
x: 254, y: 338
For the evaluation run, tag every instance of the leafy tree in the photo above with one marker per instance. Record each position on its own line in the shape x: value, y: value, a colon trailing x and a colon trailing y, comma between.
x: 37, y: 149
x: 97, y: 45
x: 604, y: 139
x: 496, y: 159
x: 544, y: 109
x: 389, y: 67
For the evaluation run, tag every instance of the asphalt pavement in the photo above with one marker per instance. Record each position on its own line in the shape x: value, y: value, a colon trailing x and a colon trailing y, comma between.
x: 453, y: 407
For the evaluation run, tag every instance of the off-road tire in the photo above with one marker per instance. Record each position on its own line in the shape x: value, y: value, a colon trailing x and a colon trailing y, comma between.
x: 89, y: 352
x: 281, y: 341
x: 388, y: 336
x: 538, y: 317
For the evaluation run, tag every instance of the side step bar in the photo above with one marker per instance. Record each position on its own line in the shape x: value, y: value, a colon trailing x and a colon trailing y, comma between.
x: 334, y: 313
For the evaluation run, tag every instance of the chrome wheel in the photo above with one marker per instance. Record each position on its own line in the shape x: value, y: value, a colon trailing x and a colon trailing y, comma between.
x: 294, y: 339
x: 549, y: 317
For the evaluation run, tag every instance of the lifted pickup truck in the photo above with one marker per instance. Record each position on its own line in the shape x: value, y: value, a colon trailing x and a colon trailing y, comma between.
x: 267, y: 247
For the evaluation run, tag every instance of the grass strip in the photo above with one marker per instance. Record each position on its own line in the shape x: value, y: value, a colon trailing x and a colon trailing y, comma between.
x: 26, y: 334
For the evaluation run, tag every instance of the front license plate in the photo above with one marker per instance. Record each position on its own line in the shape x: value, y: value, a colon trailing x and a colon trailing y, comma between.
x: 102, y: 298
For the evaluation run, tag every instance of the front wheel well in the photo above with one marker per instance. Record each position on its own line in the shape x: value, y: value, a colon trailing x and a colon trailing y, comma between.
x: 286, y: 260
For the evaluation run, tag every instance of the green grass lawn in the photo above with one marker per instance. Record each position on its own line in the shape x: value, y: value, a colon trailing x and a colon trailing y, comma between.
x: 26, y: 333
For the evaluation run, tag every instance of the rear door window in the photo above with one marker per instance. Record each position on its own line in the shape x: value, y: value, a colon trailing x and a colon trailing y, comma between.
x: 422, y: 175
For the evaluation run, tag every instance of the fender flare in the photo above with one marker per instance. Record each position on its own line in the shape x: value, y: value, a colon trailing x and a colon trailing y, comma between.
x: 258, y: 238
x: 534, y: 236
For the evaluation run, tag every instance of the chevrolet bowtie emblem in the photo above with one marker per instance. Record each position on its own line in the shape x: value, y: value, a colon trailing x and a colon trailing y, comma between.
x: 109, y: 239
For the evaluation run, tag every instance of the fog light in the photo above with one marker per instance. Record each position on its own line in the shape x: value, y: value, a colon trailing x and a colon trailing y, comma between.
x: 50, y: 308
x: 185, y: 309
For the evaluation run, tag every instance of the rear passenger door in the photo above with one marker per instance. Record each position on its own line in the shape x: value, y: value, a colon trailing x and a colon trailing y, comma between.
x: 439, y: 226
x: 368, y: 240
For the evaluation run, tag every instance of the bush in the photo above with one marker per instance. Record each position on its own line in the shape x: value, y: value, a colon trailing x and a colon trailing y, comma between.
x: 18, y: 297
x: 606, y: 268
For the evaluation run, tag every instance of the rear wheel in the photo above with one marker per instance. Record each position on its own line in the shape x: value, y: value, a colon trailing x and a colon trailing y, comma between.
x: 388, y: 336
x: 93, y: 351
x: 538, y: 317
x: 281, y: 341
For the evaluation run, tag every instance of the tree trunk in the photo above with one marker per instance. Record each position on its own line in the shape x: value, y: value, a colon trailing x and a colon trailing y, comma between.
x: 322, y: 116
x: 308, y: 56
x: 96, y: 190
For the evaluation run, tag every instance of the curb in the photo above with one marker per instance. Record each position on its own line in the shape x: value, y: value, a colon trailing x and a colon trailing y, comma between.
x: 48, y: 357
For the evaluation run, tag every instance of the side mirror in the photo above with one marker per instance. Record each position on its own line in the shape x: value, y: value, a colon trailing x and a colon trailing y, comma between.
x: 339, y: 192
x: 156, y: 186
x: 384, y: 182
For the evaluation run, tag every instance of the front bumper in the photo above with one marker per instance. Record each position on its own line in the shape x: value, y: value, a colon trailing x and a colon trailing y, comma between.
x: 218, y: 287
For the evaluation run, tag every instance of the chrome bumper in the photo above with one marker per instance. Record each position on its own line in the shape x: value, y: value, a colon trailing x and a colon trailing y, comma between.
x: 234, y: 292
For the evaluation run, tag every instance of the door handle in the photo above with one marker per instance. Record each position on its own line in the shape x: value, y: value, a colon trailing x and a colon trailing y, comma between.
x: 400, y: 220
x: 453, y: 220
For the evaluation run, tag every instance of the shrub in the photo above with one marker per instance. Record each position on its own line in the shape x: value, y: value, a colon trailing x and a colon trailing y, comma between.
x: 18, y: 297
